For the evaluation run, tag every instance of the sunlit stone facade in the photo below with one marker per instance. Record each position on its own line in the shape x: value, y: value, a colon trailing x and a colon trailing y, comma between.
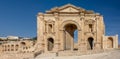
x: 55, y: 30
x: 55, y: 35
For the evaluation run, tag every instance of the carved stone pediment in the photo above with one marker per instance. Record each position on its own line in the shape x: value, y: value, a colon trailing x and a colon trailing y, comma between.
x: 69, y: 8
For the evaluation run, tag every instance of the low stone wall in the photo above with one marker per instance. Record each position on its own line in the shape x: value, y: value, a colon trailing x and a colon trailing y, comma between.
x: 17, y: 56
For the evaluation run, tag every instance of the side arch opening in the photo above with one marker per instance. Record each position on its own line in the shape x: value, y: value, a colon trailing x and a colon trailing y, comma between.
x: 50, y: 44
x: 90, y: 43
x: 110, y: 42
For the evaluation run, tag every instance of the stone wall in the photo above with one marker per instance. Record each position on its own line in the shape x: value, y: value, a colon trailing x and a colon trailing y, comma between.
x: 16, y: 56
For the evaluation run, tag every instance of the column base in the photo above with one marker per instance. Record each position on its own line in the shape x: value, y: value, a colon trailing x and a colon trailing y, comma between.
x: 82, y: 47
x: 56, y: 47
x: 97, y: 46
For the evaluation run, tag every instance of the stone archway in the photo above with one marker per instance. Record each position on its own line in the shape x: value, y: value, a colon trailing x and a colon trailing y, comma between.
x: 90, y: 43
x: 110, y: 42
x: 67, y: 29
x: 69, y: 22
x: 69, y: 36
x: 50, y: 45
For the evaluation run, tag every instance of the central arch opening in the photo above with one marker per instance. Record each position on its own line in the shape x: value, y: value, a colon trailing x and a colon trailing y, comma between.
x: 70, y: 37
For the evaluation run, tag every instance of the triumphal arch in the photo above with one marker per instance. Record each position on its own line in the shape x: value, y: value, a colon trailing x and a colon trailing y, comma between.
x: 62, y: 31
x: 56, y: 30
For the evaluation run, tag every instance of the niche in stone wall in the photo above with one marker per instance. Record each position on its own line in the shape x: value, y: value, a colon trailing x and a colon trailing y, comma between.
x: 90, y: 27
x: 49, y: 27
x: 89, y: 24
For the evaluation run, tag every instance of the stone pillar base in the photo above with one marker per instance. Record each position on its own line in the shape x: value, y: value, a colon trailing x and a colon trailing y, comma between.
x: 56, y: 47
x: 97, y: 46
x: 82, y: 47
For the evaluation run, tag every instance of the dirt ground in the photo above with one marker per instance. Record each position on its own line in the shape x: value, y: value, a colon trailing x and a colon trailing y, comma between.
x: 115, y: 54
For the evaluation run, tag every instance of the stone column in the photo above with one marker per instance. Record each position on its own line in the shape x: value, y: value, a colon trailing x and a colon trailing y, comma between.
x: 46, y: 45
x: 97, y: 40
x: 62, y: 39
x: 52, y: 28
x: 14, y: 47
x: 116, y: 42
x: 47, y: 27
x: 40, y: 31
x: 103, y: 40
x: 72, y: 42
x: 3, y: 48
x: 56, y: 48
x: 81, y: 40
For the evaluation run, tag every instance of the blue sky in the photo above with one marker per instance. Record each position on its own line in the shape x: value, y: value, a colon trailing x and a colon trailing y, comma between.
x: 18, y: 17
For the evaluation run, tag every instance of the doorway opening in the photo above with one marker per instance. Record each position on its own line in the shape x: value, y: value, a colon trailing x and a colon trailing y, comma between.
x: 50, y: 44
x: 90, y: 43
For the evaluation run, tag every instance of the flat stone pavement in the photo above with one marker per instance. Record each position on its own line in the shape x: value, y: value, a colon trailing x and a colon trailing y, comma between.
x: 115, y: 54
